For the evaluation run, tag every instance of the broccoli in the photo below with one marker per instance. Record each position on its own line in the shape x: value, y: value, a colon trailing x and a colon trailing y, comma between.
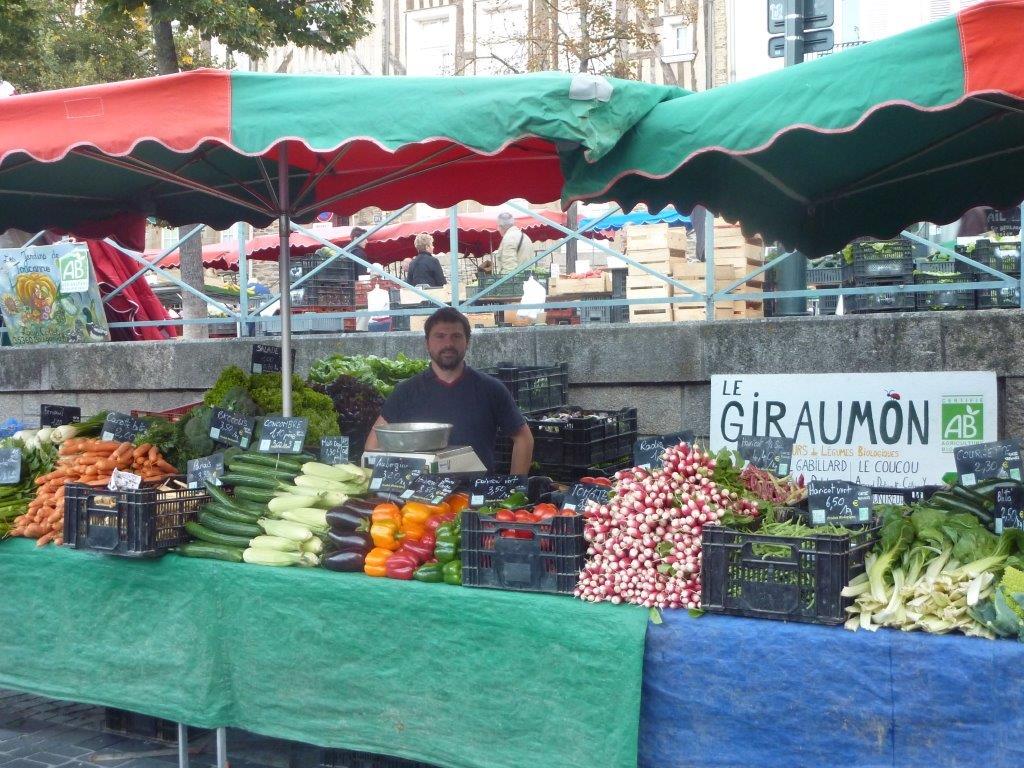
x: 1013, y: 590
x: 231, y: 378
x: 265, y: 389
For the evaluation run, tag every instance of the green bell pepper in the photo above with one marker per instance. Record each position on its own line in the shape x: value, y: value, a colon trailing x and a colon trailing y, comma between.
x: 446, y: 548
x: 430, y: 573
x: 453, y: 572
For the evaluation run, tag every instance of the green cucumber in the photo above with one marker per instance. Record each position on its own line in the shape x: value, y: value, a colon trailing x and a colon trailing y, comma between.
x: 203, y: 533
x: 251, y: 507
x: 210, y: 551
x: 972, y: 497
x: 231, y: 513
x: 246, y: 480
x: 950, y: 503
x: 989, y: 488
x: 257, y: 495
x: 218, y: 495
x: 230, y: 527
x: 241, y: 468
x: 274, y: 461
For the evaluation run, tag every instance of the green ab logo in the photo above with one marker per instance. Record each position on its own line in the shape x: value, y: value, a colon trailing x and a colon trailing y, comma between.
x: 963, y: 421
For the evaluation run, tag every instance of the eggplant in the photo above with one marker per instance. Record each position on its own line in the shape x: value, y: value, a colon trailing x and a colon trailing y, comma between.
x: 344, y: 521
x: 348, y: 562
x: 350, y: 542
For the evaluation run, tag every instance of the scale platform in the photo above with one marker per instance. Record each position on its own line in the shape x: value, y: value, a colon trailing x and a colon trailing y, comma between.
x: 450, y: 460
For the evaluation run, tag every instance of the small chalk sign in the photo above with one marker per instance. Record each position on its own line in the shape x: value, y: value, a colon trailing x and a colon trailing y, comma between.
x: 266, y: 358
x: 647, y: 451
x: 10, y: 466
x: 231, y: 428
x: 394, y: 474
x: 492, y: 488
x: 983, y: 461
x: 59, y: 415
x: 772, y: 453
x: 430, y: 489
x: 206, y: 469
x: 581, y: 493
x: 1009, y: 510
x: 282, y: 434
x: 122, y: 428
x: 124, y: 481
x: 838, y: 502
x: 334, y: 449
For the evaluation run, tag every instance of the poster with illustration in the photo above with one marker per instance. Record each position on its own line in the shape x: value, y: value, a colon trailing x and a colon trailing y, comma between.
x: 48, y: 295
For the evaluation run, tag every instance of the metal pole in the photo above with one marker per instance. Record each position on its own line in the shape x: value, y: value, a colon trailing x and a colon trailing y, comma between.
x: 182, y: 745
x: 222, y: 747
x: 709, y: 265
x: 243, y: 282
x: 284, y: 267
x: 1020, y: 257
x: 794, y: 32
x: 453, y: 241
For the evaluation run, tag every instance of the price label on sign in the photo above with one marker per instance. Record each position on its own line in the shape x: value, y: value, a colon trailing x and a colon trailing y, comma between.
x: 122, y: 428
x: 266, y: 358
x: 231, y: 428
x: 1009, y: 511
x: 839, y: 502
x: 395, y: 474
x: 495, y: 488
x: 431, y: 489
x: 334, y: 450
x: 124, y: 481
x: 59, y: 415
x: 988, y: 460
x: 207, y: 469
x: 74, y: 271
x: 283, y: 434
x: 10, y: 466
x: 647, y: 451
x: 581, y: 493
x: 774, y: 454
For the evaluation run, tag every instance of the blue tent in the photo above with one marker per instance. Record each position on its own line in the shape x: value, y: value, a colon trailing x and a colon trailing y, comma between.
x: 668, y: 216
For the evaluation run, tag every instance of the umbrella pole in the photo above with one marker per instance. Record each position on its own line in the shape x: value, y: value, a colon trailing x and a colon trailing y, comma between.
x: 284, y: 269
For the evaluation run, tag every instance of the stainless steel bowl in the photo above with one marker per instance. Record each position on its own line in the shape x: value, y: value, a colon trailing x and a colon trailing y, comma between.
x: 413, y: 437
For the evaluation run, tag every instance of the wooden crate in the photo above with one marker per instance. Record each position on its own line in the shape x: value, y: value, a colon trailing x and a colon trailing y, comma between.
x: 651, y: 313
x: 696, y: 312
x: 581, y: 286
x: 646, y: 237
x: 644, y: 281
x: 512, y: 317
x: 654, y: 290
x: 444, y: 293
x: 481, y: 320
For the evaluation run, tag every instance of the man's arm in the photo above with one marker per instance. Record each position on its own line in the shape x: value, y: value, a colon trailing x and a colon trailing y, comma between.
x: 371, y: 439
x: 522, y: 451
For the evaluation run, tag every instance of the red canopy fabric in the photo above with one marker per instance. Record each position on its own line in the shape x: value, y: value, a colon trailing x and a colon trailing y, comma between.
x: 136, y: 303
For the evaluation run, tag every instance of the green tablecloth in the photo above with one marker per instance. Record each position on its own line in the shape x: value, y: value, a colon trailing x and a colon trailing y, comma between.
x: 453, y: 676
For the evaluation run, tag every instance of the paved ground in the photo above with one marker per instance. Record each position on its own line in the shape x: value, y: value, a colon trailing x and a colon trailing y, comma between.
x: 43, y: 733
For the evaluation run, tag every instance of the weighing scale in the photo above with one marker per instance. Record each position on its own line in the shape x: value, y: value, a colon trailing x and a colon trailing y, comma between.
x: 444, y: 461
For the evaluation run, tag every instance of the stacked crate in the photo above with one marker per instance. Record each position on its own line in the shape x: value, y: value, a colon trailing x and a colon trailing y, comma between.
x: 878, y: 264
x: 656, y: 246
x: 1004, y: 256
x: 827, y: 277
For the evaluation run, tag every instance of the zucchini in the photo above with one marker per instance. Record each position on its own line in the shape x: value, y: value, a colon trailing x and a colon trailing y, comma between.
x: 989, y: 488
x: 210, y: 551
x: 231, y: 513
x: 257, y: 495
x: 950, y: 503
x: 966, y: 494
x: 274, y: 461
x: 231, y: 527
x: 271, y: 557
x: 203, y: 533
x: 240, y: 479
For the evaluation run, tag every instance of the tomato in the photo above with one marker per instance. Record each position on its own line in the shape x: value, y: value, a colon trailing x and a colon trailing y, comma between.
x: 523, y: 534
x: 505, y: 515
x: 567, y: 513
x: 544, y: 508
x: 587, y: 479
x: 546, y: 515
x: 525, y: 516
x: 602, y: 481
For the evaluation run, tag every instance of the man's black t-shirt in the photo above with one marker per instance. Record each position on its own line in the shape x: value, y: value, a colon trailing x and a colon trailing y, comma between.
x: 477, y: 405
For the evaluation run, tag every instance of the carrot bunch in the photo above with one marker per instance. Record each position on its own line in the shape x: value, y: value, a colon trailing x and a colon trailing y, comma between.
x: 92, y: 462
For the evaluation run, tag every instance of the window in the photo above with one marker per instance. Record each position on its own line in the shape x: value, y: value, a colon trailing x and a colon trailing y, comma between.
x: 682, y: 38
x: 431, y: 44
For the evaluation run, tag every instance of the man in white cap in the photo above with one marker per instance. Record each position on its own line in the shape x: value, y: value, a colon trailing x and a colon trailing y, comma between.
x: 515, y: 246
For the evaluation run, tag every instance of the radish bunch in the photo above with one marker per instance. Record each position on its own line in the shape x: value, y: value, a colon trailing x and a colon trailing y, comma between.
x: 644, y: 544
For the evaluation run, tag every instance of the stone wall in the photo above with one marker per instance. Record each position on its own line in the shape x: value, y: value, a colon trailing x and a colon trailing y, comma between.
x: 664, y: 370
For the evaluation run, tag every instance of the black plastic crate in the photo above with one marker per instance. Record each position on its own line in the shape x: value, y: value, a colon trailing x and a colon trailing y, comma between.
x: 945, y: 298
x: 881, y: 302
x: 341, y: 268
x: 573, y: 437
x: 941, y: 267
x: 513, y: 287
x: 904, y: 496
x: 999, y: 298
x: 344, y: 758
x: 827, y: 305
x: 141, y: 523
x: 1004, y: 222
x: 619, y: 283
x: 534, y: 387
x: 993, y: 255
x: 832, y: 277
x: 127, y: 723
x: 620, y: 314
x: 494, y: 556
x: 880, y: 260
x: 595, y: 315
x: 572, y: 475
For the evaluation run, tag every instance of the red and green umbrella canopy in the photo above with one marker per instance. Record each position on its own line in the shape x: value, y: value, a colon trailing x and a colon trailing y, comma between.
x: 203, y: 146
x: 917, y: 127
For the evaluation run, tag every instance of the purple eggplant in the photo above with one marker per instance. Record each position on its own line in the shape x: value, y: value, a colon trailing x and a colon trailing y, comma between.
x: 349, y: 562
x: 350, y: 541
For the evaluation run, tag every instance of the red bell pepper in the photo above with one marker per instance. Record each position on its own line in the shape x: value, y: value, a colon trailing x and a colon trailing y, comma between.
x: 401, y: 566
x: 421, y: 550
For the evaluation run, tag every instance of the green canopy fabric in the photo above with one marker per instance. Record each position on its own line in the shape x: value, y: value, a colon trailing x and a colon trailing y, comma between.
x: 460, y: 677
x: 917, y: 127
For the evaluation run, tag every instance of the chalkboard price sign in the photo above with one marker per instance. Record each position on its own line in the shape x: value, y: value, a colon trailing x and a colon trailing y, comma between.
x: 122, y: 428
x: 431, y: 489
x: 59, y: 415
x: 266, y: 358
x: 1009, y: 511
x: 394, y: 474
x: 578, y: 496
x: 207, y: 469
x: 334, y: 450
x: 647, y: 450
x: 495, y: 488
x: 231, y: 428
x: 772, y: 453
x: 987, y: 460
x: 283, y: 434
x: 838, y: 502
x: 10, y: 466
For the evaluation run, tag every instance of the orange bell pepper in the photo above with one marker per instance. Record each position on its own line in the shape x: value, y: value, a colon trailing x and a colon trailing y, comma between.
x: 457, y: 502
x: 386, y: 534
x: 376, y: 561
x: 416, y: 518
x: 386, y: 511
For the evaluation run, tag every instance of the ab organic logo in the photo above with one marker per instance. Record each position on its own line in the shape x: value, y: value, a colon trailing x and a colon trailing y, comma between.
x: 963, y: 421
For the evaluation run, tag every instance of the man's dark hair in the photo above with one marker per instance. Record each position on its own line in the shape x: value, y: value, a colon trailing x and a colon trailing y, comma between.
x: 356, y: 232
x: 447, y: 315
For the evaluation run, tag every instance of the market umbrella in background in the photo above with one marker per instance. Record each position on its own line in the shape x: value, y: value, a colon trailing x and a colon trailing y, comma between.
x: 263, y: 147
x: 669, y: 215
x: 917, y: 127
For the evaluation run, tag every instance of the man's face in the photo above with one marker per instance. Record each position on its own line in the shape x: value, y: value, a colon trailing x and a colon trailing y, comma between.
x: 447, y: 345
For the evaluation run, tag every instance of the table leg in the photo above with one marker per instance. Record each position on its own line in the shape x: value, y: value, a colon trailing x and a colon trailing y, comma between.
x: 182, y: 745
x: 222, y: 748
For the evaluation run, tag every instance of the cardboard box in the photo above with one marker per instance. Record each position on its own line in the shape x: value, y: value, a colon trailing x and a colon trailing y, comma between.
x: 580, y: 286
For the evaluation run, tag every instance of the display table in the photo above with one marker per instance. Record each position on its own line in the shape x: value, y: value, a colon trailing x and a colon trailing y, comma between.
x: 724, y: 691
x: 456, y: 677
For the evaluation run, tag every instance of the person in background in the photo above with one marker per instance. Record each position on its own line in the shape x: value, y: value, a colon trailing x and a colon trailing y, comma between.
x: 358, y: 250
x: 404, y: 271
x: 515, y: 247
x: 425, y: 268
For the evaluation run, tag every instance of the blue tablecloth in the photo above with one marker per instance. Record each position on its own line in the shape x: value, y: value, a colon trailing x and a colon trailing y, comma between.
x: 724, y: 691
